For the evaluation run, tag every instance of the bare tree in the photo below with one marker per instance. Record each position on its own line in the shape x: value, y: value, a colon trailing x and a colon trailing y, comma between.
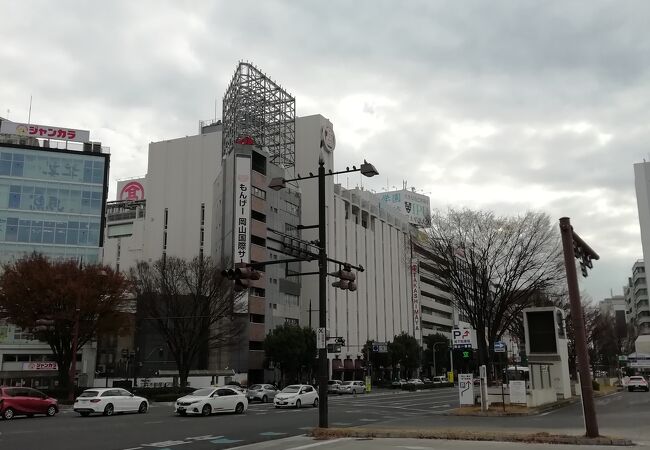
x: 494, y: 266
x: 192, y: 305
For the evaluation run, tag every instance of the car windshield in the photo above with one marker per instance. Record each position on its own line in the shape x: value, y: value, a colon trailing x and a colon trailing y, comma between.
x: 291, y: 389
x: 202, y: 392
x: 347, y: 383
x: 255, y: 387
x: 89, y: 394
x: 636, y: 378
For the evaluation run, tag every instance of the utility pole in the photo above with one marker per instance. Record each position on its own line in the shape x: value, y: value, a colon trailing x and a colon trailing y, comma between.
x: 322, y: 295
x: 571, y: 241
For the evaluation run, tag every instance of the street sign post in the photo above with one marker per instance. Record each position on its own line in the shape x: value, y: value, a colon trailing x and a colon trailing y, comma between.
x: 499, y: 347
x: 380, y: 347
x: 320, y: 338
x: 466, y: 389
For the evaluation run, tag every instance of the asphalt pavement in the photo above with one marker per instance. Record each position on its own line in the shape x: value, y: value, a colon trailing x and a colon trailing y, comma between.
x: 622, y: 414
x: 161, y: 429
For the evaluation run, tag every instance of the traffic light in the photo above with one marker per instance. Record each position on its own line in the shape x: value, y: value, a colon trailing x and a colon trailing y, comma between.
x: 346, y: 279
x: 242, y: 277
x: 44, y: 325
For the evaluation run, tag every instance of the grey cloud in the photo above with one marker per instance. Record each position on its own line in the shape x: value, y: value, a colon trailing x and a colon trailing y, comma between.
x: 135, y: 72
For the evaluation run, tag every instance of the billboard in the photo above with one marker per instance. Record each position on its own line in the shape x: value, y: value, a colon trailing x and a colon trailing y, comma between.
x: 131, y: 189
x: 44, y: 131
x: 541, y: 331
x: 411, y: 204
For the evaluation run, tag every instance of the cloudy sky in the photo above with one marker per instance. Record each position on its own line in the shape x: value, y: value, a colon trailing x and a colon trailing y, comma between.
x: 504, y: 105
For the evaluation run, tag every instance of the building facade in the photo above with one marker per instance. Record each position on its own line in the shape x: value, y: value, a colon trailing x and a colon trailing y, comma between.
x: 53, y: 189
x: 635, y: 294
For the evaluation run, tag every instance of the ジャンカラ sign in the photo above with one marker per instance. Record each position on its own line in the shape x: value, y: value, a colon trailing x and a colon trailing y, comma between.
x: 44, y: 131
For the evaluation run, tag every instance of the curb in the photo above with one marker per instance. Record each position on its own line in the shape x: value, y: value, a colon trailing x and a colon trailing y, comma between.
x: 463, y: 435
x: 534, y: 412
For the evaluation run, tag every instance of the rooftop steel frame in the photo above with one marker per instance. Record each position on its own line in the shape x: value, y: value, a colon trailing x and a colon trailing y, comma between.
x: 254, y: 106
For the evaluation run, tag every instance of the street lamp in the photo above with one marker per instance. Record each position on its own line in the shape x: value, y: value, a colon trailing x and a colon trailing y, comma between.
x: 277, y: 184
x: 435, y: 372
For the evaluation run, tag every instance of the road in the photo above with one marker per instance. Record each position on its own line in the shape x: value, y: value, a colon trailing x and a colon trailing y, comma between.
x: 622, y: 414
x: 161, y: 429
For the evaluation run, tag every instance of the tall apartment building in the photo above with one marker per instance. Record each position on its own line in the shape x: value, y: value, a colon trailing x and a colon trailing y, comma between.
x: 53, y: 188
x: 636, y: 298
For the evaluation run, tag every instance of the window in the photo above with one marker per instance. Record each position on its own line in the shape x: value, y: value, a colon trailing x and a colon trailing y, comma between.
x: 257, y: 318
x: 258, y: 216
x: 291, y: 208
x: 292, y: 300
x: 255, y: 345
x: 258, y: 292
x: 258, y: 240
x: 290, y: 229
x: 259, y: 193
x: 291, y: 321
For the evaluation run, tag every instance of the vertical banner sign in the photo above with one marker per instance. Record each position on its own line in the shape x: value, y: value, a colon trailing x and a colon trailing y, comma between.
x: 415, y: 296
x: 466, y: 388
x: 321, y: 338
x: 242, y: 217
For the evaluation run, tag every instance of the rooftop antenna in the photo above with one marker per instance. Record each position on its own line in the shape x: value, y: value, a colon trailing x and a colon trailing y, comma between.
x: 215, y: 109
x: 29, y: 115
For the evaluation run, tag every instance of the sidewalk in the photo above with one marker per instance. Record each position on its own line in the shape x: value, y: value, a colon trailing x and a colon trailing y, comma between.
x: 304, y: 442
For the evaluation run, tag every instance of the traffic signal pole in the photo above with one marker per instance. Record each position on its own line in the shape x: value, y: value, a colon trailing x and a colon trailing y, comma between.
x: 322, y: 296
x: 569, y: 240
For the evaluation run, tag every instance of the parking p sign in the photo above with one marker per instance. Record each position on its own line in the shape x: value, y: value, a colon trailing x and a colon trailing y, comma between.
x: 499, y: 347
x: 462, y: 337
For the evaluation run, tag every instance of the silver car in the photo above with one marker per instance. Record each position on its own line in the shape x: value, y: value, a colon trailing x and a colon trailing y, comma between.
x: 352, y: 387
x: 262, y: 392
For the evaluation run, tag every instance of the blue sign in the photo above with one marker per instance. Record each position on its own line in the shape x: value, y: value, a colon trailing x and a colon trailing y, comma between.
x: 499, y: 347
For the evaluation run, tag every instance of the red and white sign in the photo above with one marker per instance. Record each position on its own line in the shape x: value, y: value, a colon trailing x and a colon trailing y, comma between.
x: 44, y: 131
x: 133, y: 190
x: 415, y: 296
x: 43, y: 365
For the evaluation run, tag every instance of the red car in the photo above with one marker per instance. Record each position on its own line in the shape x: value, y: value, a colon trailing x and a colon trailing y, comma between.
x: 25, y: 401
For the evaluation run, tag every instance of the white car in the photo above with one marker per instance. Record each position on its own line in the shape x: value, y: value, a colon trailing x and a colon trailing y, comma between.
x: 296, y: 395
x: 352, y: 387
x: 637, y: 382
x: 212, y: 400
x: 414, y: 381
x: 108, y: 401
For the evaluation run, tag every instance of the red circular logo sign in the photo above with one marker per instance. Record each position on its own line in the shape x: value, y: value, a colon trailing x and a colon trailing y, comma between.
x: 132, y: 191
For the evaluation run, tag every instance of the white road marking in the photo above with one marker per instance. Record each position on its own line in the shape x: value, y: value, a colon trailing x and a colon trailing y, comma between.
x: 317, y: 444
x: 133, y: 448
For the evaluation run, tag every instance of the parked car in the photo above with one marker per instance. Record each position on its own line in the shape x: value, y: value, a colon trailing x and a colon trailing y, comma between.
x: 637, y: 383
x: 236, y: 385
x: 440, y: 380
x: 296, y: 395
x: 352, y: 387
x: 398, y: 383
x: 415, y: 381
x: 108, y: 401
x: 427, y: 380
x: 210, y: 400
x: 262, y: 392
x: 16, y: 401
x: 333, y: 386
